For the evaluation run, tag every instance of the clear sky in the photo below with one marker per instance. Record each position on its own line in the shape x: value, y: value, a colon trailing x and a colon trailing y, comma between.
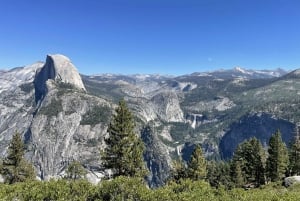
x: 152, y: 36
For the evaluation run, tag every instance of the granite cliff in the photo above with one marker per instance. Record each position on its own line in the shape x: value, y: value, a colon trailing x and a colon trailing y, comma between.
x: 64, y: 116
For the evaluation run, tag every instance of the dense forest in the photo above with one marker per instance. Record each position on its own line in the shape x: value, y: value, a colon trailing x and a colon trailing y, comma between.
x: 254, y: 172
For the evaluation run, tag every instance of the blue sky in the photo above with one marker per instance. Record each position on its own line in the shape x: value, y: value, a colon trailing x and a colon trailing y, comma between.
x: 152, y: 36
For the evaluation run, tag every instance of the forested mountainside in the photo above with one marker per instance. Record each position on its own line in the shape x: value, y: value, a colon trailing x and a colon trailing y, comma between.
x: 63, y: 116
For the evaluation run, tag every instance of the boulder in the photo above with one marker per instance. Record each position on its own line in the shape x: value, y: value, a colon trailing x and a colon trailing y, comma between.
x: 289, y: 181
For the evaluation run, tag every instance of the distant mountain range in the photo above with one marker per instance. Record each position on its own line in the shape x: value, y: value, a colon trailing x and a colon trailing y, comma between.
x: 63, y: 116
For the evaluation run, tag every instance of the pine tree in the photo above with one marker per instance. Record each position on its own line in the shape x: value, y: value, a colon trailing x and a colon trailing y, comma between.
x: 15, y: 168
x: 124, y: 151
x: 218, y: 174
x: 75, y: 171
x: 250, y: 156
x: 178, y: 171
x: 237, y: 175
x: 277, y: 161
x: 294, y: 155
x: 197, y: 165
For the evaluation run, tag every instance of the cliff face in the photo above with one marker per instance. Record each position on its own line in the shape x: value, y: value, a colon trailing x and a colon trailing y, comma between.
x: 60, y: 69
x: 47, y: 103
x: 157, y: 157
x: 259, y: 125
x: 58, y: 133
x: 62, y: 119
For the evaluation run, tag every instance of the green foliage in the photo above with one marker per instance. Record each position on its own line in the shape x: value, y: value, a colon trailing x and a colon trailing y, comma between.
x: 179, y: 131
x: 15, y: 168
x: 122, y: 188
x: 294, y: 156
x: 178, y: 171
x: 75, y: 171
x: 218, y: 174
x: 60, y: 190
x: 236, y: 173
x: 53, y: 108
x: 124, y: 151
x: 196, y: 167
x: 277, y: 161
x: 134, y: 189
x: 96, y: 115
x: 249, y: 161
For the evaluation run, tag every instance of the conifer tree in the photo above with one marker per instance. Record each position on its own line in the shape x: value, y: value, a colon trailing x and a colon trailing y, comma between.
x: 75, y: 171
x: 236, y: 173
x: 294, y: 155
x: 218, y: 174
x: 124, y: 151
x: 250, y: 156
x: 277, y: 161
x: 197, y: 165
x: 15, y: 168
x: 178, y: 171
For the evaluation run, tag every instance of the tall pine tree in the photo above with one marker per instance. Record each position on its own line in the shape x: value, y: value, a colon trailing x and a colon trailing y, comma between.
x: 15, y: 168
x: 124, y: 151
x: 236, y: 173
x: 178, y: 171
x: 294, y: 155
x: 197, y: 165
x: 250, y: 157
x: 277, y: 161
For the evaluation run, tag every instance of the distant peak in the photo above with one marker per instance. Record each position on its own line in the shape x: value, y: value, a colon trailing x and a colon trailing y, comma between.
x: 240, y: 69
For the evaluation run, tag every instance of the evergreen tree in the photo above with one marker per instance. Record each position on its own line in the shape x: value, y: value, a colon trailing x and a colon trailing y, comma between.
x: 15, y: 168
x: 250, y: 156
x: 218, y: 174
x: 124, y: 151
x: 277, y: 161
x: 236, y: 173
x: 197, y: 165
x: 178, y: 171
x: 294, y: 155
x: 75, y: 171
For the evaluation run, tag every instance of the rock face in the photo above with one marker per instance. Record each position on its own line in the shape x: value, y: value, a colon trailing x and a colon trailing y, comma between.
x: 62, y: 119
x: 59, y: 68
x: 58, y: 133
x: 167, y: 106
x: 61, y: 127
x: 157, y: 157
x: 259, y: 125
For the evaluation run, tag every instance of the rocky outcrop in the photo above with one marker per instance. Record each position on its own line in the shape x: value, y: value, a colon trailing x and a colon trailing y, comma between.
x: 157, y: 157
x: 60, y: 69
x: 166, y: 104
x: 259, y: 125
x: 59, y: 132
x: 61, y: 128
x: 61, y: 121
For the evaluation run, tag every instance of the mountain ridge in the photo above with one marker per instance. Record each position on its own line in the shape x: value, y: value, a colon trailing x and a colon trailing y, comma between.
x: 70, y: 123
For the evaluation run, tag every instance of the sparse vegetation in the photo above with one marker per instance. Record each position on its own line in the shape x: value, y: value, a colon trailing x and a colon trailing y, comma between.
x: 27, y: 87
x: 96, y: 115
x: 15, y: 168
x: 53, y: 108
